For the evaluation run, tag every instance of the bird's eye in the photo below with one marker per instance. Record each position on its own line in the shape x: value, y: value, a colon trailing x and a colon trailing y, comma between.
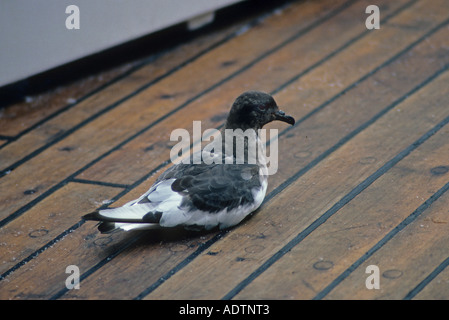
x: 262, y: 107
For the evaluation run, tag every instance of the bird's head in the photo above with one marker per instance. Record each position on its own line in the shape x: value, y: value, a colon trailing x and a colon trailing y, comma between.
x: 253, y: 110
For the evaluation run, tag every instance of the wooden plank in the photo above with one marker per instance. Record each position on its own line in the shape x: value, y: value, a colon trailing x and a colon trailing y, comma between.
x: 96, y: 138
x: 420, y: 247
x: 245, y: 248
x: 50, y: 218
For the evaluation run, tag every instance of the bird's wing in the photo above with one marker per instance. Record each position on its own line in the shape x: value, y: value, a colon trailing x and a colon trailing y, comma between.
x: 212, y: 188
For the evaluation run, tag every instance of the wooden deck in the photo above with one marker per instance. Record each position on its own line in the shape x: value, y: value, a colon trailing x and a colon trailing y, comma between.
x: 363, y: 176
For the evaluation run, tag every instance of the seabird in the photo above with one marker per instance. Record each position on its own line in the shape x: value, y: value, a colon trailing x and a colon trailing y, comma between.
x: 204, y: 196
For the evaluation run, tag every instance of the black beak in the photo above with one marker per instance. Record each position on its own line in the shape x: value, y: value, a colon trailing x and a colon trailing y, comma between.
x: 281, y: 116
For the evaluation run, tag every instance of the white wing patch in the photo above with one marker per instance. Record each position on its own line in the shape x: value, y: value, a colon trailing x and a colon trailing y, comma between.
x: 133, y: 213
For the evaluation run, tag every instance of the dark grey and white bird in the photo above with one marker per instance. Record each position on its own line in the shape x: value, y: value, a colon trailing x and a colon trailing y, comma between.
x: 204, y: 196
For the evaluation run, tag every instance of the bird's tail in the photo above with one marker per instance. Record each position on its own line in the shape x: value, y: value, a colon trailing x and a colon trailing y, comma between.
x: 134, y: 217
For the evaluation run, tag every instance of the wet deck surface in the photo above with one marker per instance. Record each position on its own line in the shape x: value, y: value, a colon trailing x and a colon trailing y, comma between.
x: 362, y: 180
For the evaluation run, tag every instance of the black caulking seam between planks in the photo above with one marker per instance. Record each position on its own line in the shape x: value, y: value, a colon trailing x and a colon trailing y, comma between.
x: 7, y: 138
x: 36, y: 152
x: 428, y: 279
x: 101, y: 183
x: 412, y: 217
x: 26, y: 207
x: 323, y: 218
x: 407, y: 5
